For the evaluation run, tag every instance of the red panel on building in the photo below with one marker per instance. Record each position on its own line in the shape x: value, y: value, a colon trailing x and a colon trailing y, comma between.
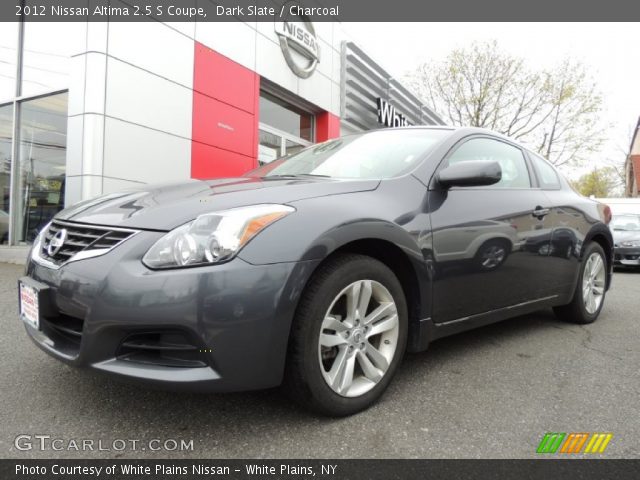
x: 219, y: 77
x: 225, y: 116
x: 222, y: 125
x: 212, y: 162
x: 327, y: 126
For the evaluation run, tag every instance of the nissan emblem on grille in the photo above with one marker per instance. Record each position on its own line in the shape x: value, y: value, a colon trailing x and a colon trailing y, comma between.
x: 57, y: 242
x: 63, y: 242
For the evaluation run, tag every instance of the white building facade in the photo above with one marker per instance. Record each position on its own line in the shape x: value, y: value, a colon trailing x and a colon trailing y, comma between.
x: 89, y: 108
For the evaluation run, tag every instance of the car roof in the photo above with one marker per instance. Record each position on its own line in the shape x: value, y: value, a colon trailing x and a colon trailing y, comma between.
x: 461, y: 130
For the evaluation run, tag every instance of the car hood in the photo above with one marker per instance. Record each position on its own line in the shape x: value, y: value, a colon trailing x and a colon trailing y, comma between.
x: 625, y: 236
x: 164, y: 207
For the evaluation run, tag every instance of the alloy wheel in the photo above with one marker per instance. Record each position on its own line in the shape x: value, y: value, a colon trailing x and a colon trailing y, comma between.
x: 492, y: 257
x: 358, y: 338
x: 593, y: 283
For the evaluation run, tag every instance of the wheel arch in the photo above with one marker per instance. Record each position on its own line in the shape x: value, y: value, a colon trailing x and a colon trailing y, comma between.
x: 398, y: 262
x: 495, y: 238
x: 412, y: 272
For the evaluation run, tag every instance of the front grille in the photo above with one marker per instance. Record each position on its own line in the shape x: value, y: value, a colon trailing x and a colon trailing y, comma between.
x: 81, y: 238
x: 163, y: 348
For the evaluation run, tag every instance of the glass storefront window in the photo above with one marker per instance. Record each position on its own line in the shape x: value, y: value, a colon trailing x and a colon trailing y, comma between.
x: 293, y: 147
x: 42, y: 164
x: 8, y: 57
x: 6, y: 135
x: 273, y: 144
x: 46, y: 59
x: 269, y: 147
x: 39, y: 169
x: 278, y: 114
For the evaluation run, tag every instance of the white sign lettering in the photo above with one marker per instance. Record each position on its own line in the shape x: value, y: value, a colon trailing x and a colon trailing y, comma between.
x: 389, y: 117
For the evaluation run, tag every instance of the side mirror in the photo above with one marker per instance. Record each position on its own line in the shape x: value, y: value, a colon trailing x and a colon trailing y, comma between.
x: 474, y: 173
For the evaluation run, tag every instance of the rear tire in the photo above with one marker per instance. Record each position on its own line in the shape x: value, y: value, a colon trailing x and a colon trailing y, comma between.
x: 345, y: 349
x: 589, y: 295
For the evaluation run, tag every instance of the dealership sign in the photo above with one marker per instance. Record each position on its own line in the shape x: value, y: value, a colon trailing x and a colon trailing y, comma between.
x: 300, y: 46
x: 389, y: 117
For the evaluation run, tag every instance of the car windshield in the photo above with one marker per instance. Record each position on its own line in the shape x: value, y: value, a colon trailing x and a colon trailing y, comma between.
x: 627, y: 223
x: 375, y: 155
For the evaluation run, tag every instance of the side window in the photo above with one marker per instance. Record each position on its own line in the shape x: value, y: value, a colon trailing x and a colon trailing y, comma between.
x: 546, y: 173
x: 511, y: 160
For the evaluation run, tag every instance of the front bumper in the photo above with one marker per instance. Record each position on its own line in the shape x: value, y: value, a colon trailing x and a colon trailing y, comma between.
x: 629, y: 256
x: 236, y: 315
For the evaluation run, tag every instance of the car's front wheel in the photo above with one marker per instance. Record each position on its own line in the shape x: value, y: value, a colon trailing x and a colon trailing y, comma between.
x: 588, y: 297
x: 348, y: 336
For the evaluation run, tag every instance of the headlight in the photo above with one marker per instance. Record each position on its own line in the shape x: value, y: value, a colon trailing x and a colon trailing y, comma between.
x: 213, y: 237
x: 630, y: 243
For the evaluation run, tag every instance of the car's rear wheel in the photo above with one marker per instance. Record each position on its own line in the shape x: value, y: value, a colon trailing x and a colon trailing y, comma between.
x: 588, y: 297
x: 348, y: 337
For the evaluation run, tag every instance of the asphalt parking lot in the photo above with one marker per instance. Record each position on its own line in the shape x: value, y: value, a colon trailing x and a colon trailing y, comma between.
x: 490, y: 393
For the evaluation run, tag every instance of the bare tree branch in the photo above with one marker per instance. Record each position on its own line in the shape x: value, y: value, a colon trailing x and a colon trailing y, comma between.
x: 557, y: 112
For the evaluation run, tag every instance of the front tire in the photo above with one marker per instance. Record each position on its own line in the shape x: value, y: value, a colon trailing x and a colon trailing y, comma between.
x: 348, y: 336
x: 588, y: 297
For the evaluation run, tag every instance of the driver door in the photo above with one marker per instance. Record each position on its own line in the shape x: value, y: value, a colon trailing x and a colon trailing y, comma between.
x: 480, y: 235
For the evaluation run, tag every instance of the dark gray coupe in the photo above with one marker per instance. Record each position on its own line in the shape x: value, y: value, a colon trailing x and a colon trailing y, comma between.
x: 318, y: 270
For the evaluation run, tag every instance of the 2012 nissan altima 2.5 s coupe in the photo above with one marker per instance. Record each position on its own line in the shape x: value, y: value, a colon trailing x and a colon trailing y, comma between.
x: 316, y: 271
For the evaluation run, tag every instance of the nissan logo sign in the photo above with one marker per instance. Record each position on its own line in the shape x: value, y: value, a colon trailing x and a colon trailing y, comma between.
x: 57, y: 242
x: 300, y: 45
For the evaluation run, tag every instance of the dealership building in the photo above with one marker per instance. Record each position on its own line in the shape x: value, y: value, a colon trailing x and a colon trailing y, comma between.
x: 89, y: 108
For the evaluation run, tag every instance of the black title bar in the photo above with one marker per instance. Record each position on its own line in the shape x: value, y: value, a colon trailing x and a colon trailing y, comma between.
x: 318, y: 10
x: 543, y: 469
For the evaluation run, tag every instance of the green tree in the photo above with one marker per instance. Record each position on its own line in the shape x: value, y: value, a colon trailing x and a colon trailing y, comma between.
x: 600, y: 182
x: 555, y: 112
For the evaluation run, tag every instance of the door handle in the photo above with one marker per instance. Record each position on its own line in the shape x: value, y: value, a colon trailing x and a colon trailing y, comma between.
x: 540, y: 212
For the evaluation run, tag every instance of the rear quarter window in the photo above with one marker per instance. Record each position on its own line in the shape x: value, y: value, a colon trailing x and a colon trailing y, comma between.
x: 547, y: 175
